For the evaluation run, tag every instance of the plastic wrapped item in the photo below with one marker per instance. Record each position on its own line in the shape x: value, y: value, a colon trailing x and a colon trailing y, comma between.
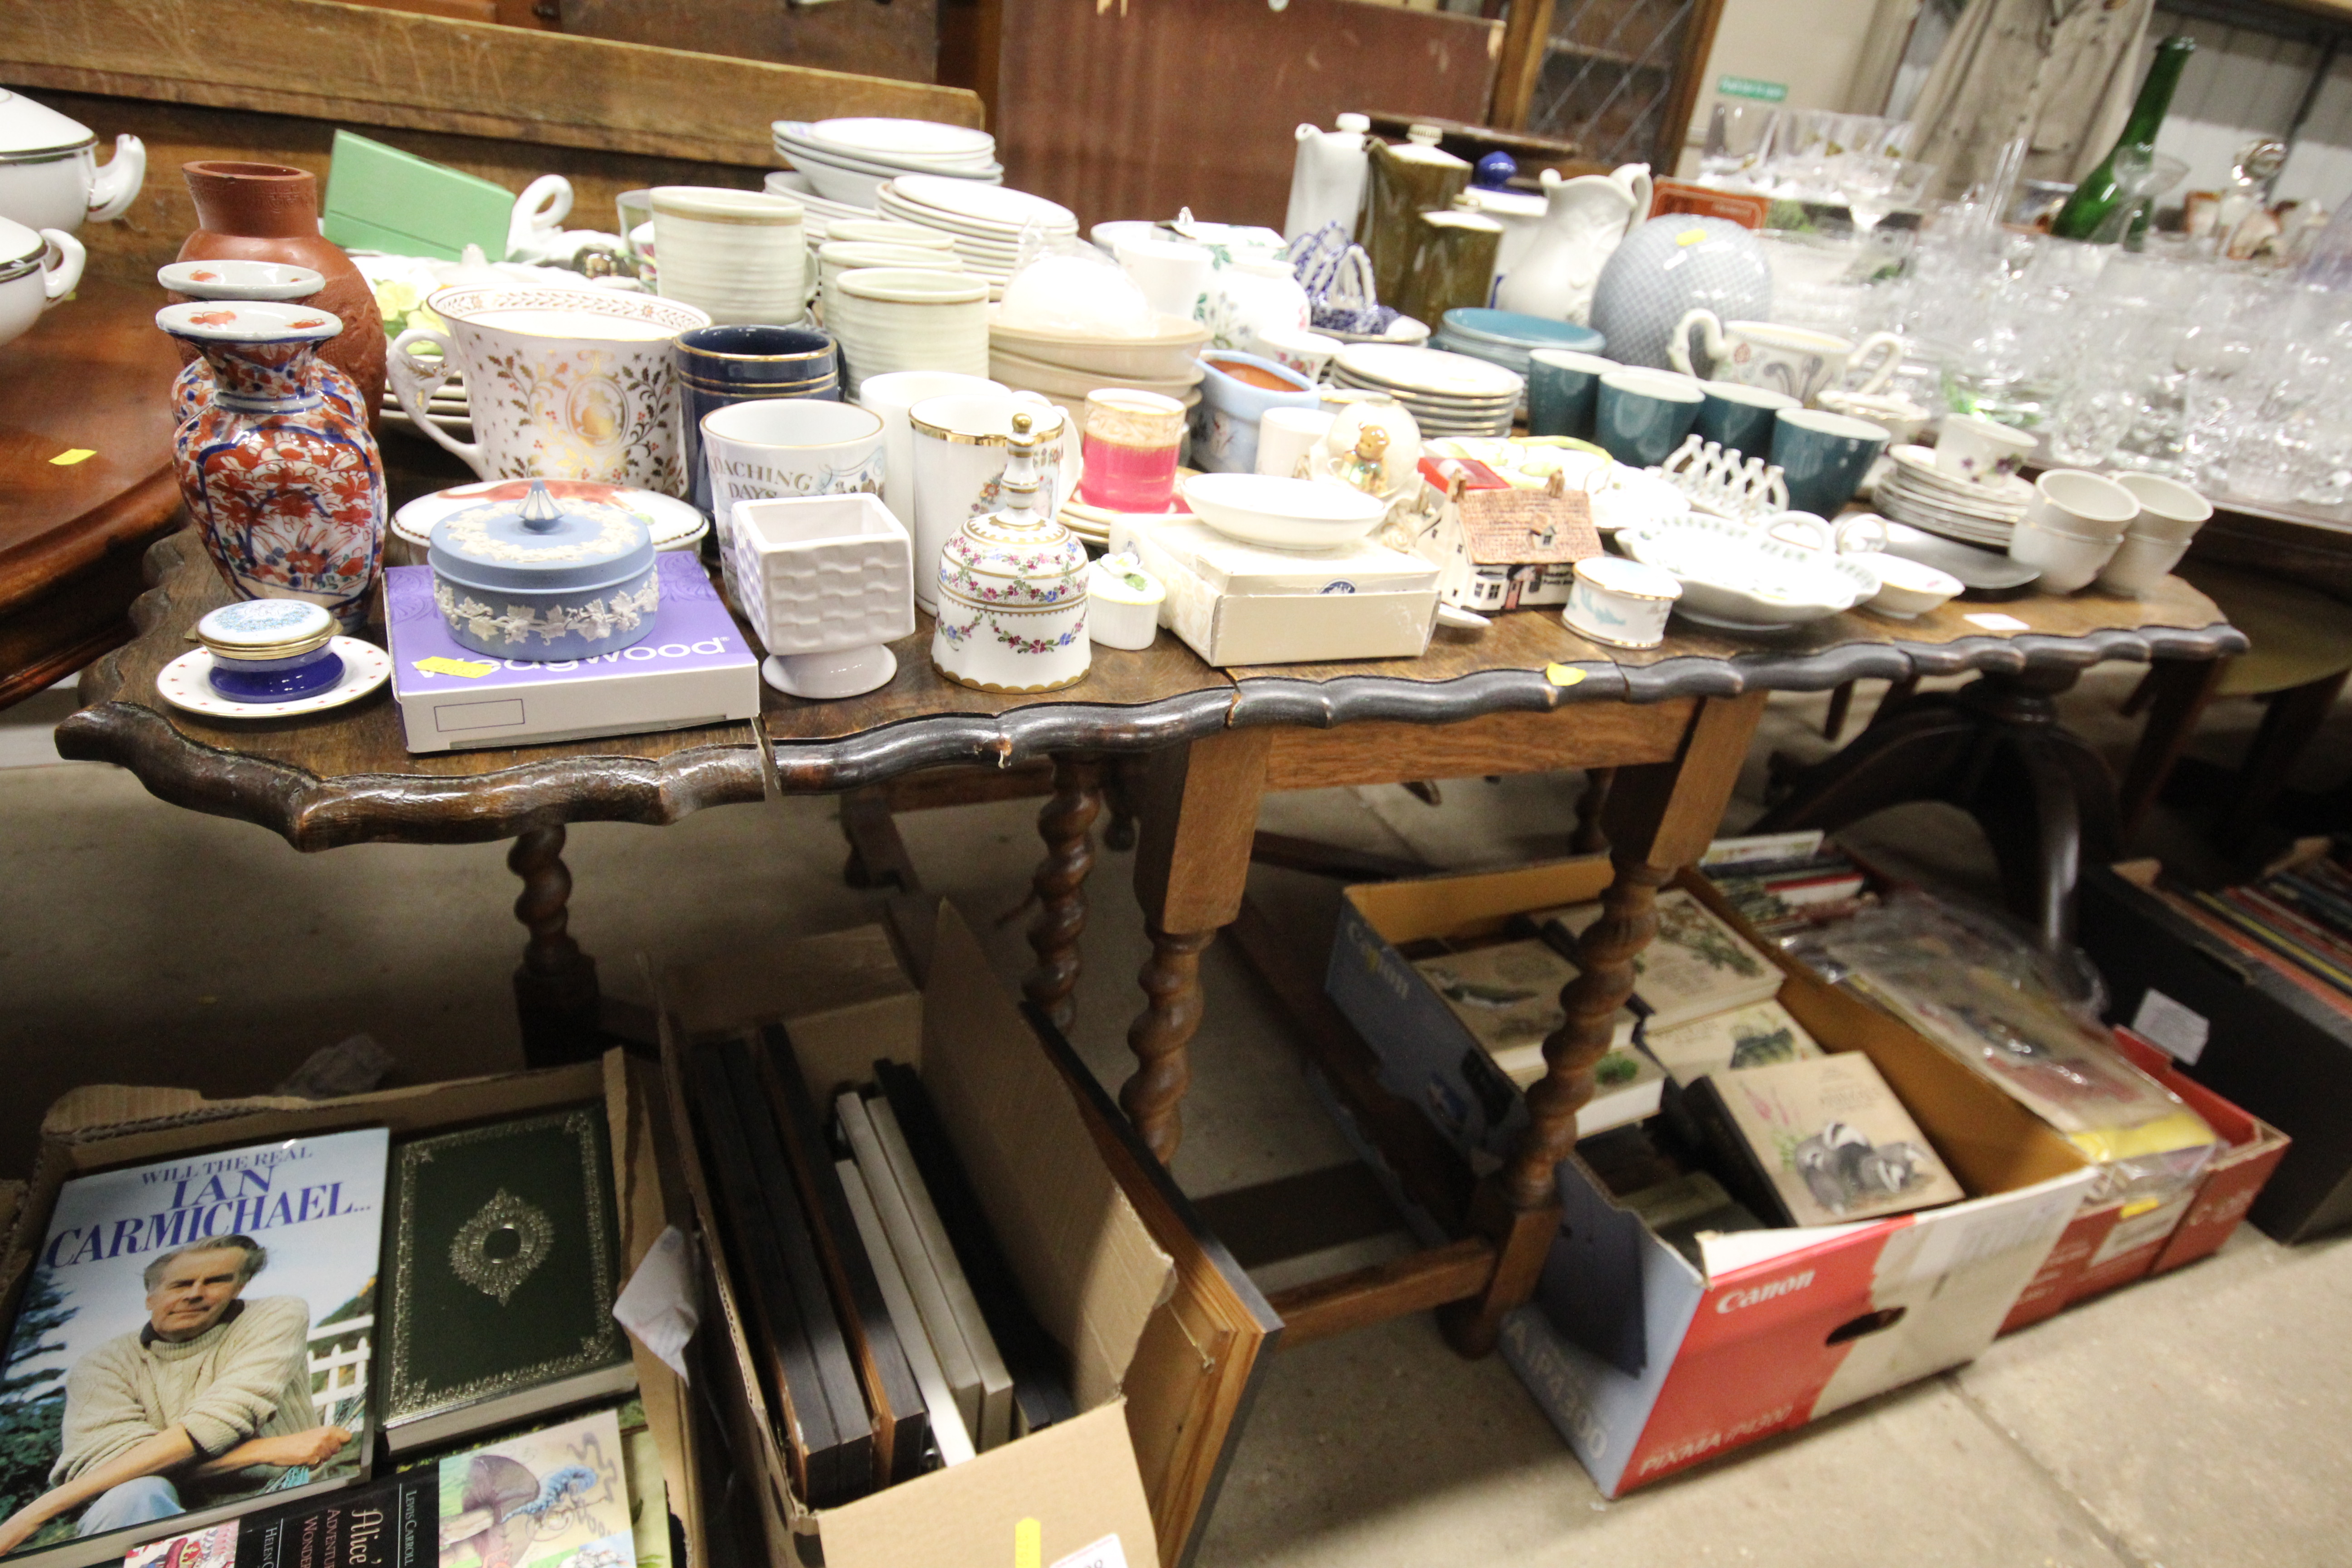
x: 2027, y: 1021
x: 1069, y: 286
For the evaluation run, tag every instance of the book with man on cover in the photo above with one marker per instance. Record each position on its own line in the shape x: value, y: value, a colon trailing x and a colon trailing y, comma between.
x: 192, y: 1342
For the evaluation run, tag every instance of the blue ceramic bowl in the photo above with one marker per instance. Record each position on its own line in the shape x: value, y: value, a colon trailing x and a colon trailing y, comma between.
x: 1224, y: 422
x: 720, y: 366
x: 1511, y: 328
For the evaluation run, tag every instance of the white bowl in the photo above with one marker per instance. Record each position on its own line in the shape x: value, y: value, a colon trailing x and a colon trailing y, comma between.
x: 2081, y: 503
x: 1288, y: 515
x: 2066, y: 561
x: 1170, y: 351
x: 1908, y: 589
x: 877, y: 136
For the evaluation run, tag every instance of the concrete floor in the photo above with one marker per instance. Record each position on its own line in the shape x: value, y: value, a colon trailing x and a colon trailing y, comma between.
x: 2203, y: 1420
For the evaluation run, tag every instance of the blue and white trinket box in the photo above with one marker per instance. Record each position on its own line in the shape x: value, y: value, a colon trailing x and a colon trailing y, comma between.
x: 267, y: 650
x: 545, y: 581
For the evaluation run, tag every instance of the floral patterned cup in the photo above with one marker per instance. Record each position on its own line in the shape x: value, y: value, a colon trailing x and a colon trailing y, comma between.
x: 562, y: 384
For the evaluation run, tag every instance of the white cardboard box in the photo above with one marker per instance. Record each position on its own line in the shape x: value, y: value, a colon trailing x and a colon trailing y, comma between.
x: 1244, y: 603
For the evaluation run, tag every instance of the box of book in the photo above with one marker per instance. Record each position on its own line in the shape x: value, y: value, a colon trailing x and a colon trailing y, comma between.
x: 253, y: 1268
x: 696, y: 667
x: 1456, y: 997
x: 1675, y: 1322
x: 2268, y: 1035
x: 960, y: 1310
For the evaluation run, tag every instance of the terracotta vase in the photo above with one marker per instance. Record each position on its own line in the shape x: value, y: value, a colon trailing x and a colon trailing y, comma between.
x: 268, y: 211
x: 286, y: 488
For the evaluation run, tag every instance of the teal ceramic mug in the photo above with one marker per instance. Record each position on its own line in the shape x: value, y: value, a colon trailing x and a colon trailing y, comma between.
x: 1641, y: 415
x: 1823, y: 456
x: 1740, y: 418
x: 1563, y: 386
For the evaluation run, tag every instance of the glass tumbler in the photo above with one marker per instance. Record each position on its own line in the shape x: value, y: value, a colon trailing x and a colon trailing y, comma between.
x: 1129, y: 441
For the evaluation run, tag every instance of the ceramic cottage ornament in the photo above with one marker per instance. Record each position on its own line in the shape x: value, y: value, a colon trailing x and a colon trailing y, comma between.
x: 285, y: 486
x: 545, y: 580
x: 1013, y: 589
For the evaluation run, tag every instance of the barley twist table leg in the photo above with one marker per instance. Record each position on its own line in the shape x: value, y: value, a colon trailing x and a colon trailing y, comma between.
x: 1170, y: 979
x: 1066, y: 825
x: 556, y: 996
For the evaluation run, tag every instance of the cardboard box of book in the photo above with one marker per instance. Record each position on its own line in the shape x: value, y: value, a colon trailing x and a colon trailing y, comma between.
x: 2243, y: 1024
x: 2117, y: 1242
x: 264, y: 1331
x: 1650, y: 1356
x: 1109, y: 1450
x: 1457, y: 1006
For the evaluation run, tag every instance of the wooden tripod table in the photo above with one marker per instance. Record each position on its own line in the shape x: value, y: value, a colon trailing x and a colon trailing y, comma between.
x: 1526, y: 695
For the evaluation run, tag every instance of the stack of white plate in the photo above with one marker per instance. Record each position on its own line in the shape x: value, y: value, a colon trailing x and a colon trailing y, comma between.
x: 1916, y: 491
x: 986, y: 220
x: 818, y: 214
x: 849, y: 159
x: 1446, y: 393
x: 1092, y: 524
x: 1067, y: 366
x: 446, y: 407
x: 904, y: 318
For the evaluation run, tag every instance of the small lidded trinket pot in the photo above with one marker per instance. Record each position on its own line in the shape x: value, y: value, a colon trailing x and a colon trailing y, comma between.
x: 544, y: 580
x: 267, y: 650
x: 1013, y: 589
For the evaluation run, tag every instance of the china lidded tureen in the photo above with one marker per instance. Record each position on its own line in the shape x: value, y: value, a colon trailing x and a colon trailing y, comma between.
x: 50, y: 176
x: 543, y: 580
x: 1013, y: 589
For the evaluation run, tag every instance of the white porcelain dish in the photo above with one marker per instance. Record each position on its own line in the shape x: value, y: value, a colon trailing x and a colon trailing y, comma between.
x: 879, y: 136
x: 1737, y: 578
x: 1429, y: 371
x: 988, y: 207
x: 1908, y: 589
x: 187, y: 683
x: 1287, y: 514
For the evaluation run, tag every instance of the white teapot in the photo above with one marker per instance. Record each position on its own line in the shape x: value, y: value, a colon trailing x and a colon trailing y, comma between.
x: 1584, y: 221
x: 50, y: 176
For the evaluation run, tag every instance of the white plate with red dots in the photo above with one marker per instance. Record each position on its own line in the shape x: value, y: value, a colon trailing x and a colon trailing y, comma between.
x: 187, y: 683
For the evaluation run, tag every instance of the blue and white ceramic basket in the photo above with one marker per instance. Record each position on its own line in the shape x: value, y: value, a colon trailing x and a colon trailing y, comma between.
x: 544, y: 580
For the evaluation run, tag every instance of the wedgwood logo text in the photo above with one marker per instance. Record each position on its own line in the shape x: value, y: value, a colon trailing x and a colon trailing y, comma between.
x: 638, y: 653
x: 1732, y: 1301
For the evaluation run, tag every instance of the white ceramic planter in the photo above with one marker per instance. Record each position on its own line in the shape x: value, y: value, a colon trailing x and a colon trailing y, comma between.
x: 827, y: 582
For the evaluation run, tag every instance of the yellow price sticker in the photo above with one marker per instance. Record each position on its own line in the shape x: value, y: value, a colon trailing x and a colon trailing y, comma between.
x: 467, y: 667
x: 72, y: 455
x: 1028, y: 1544
x: 1690, y: 236
x: 1563, y: 674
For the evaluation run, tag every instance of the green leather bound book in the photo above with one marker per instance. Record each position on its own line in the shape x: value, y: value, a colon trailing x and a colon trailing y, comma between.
x: 500, y: 1267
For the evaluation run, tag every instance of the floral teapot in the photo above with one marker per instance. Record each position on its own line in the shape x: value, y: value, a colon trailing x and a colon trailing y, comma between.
x: 1584, y: 220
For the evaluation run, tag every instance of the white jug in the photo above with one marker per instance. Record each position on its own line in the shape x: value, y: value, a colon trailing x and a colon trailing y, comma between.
x: 1585, y: 219
x: 1327, y: 182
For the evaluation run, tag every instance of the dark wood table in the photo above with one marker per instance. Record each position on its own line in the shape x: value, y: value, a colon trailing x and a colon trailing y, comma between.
x: 93, y: 375
x: 1526, y: 695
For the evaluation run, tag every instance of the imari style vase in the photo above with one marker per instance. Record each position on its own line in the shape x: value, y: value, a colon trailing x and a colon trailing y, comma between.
x: 1013, y: 590
x: 285, y: 486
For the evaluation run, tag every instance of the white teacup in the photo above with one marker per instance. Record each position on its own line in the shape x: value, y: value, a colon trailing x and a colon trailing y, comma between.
x: 2078, y: 502
x: 739, y: 255
x: 1307, y: 352
x: 1794, y: 360
x: 1174, y: 274
x: 960, y: 454
x: 560, y: 384
x: 2139, y: 563
x: 2168, y: 509
x: 38, y: 268
x: 1980, y: 450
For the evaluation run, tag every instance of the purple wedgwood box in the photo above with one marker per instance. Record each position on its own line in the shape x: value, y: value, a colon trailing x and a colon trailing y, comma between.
x: 696, y: 667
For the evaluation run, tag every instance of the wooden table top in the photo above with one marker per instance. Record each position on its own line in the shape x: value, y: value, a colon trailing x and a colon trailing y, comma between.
x: 345, y: 777
x: 92, y: 375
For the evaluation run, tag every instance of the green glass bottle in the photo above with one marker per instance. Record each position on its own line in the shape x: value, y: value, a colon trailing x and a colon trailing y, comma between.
x: 2100, y: 193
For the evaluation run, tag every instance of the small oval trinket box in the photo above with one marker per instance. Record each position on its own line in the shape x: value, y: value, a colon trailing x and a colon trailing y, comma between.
x: 1619, y: 603
x: 545, y: 580
x: 1013, y: 589
x: 266, y: 651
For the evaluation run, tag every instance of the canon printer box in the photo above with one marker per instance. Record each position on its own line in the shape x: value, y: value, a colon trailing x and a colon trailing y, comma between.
x: 696, y: 667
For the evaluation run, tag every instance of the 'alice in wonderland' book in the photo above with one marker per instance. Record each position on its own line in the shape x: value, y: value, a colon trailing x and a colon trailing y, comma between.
x: 556, y: 1497
x: 1822, y: 1139
x: 192, y: 1342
